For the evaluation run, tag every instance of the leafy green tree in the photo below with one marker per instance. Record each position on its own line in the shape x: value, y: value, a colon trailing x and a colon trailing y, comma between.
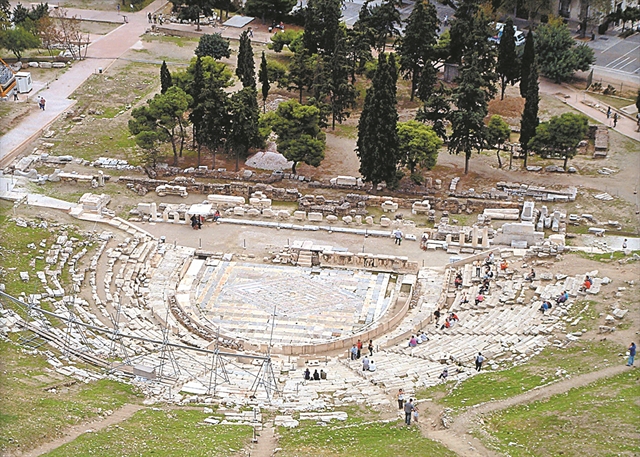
x: 17, y: 40
x: 342, y: 93
x: 277, y: 73
x: 213, y: 45
x: 165, y: 77
x: 378, y: 144
x: 416, y: 46
x: 273, y: 9
x: 210, y: 67
x: 378, y: 22
x: 195, y: 8
x: 164, y: 115
x: 244, y: 131
x: 322, y: 26
x: 560, y: 136
x: 418, y: 145
x: 263, y: 76
x: 476, y: 87
x: 557, y: 53
x: 527, y: 60
x: 20, y: 14
x: 529, y: 121
x: 300, y: 138
x: 246, y: 69
x: 508, y: 66
x: 498, y: 132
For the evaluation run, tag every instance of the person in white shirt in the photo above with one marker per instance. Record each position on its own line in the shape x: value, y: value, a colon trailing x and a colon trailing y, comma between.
x: 372, y: 366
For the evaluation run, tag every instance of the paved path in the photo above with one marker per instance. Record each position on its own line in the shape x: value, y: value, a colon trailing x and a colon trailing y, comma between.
x: 575, y: 98
x: 101, y: 54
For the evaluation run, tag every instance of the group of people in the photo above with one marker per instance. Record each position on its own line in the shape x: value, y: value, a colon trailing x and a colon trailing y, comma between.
x: 315, y: 376
x: 368, y: 365
x: 356, y: 349
x: 155, y: 19
x: 410, y: 409
x: 450, y: 321
x: 196, y: 222
x: 418, y: 339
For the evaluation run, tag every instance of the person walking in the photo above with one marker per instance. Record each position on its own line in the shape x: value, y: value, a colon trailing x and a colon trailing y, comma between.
x: 608, y: 112
x: 41, y: 103
x: 400, y: 398
x: 632, y: 354
x: 408, y: 410
x: 479, y: 361
x: 615, y: 120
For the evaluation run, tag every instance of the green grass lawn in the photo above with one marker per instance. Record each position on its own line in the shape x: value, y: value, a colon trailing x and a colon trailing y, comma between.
x: 596, y: 420
x: 172, y: 433
x: 31, y: 414
x: 356, y: 438
x: 580, y: 357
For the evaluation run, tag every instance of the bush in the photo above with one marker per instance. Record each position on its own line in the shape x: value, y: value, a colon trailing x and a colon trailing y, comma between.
x: 279, y: 40
x: 417, y: 178
x: 276, y: 71
x: 595, y: 87
x: 610, y: 90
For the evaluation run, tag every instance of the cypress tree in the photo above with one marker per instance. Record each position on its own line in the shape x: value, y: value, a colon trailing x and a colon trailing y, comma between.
x: 246, y: 69
x: 342, y: 93
x: 263, y: 76
x: 528, y: 59
x: 529, y: 121
x: 378, y: 144
x: 508, y: 67
x: 165, y: 78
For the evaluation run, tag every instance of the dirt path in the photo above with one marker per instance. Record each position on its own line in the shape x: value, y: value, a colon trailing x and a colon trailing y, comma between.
x: 74, y: 432
x: 458, y: 438
x: 266, y: 444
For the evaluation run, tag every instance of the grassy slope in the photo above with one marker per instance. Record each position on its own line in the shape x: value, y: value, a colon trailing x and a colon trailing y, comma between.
x: 598, y: 419
x: 577, y: 358
x: 30, y: 414
x: 174, y: 433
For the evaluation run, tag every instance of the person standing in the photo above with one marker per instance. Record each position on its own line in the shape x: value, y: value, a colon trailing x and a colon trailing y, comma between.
x: 41, y: 103
x: 615, y: 120
x: 608, y: 112
x: 408, y: 410
x: 359, y: 346
x: 365, y: 363
x: 479, y: 361
x: 632, y: 354
x: 370, y: 347
x: 397, y: 234
x: 354, y: 352
x: 400, y: 398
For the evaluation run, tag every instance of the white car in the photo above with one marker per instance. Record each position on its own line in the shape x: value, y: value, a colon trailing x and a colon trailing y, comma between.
x: 519, y: 35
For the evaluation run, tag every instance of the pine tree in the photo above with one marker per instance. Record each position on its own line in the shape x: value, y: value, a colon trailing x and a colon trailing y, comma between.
x: 528, y: 58
x: 378, y: 144
x: 529, y: 121
x: 165, y: 77
x: 263, y: 76
x: 342, y: 93
x: 301, y: 72
x: 246, y: 69
x: 508, y: 67
x: 416, y: 46
x: 461, y: 30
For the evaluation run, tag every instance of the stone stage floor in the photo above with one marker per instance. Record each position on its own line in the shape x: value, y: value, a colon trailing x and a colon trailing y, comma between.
x: 311, y: 305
